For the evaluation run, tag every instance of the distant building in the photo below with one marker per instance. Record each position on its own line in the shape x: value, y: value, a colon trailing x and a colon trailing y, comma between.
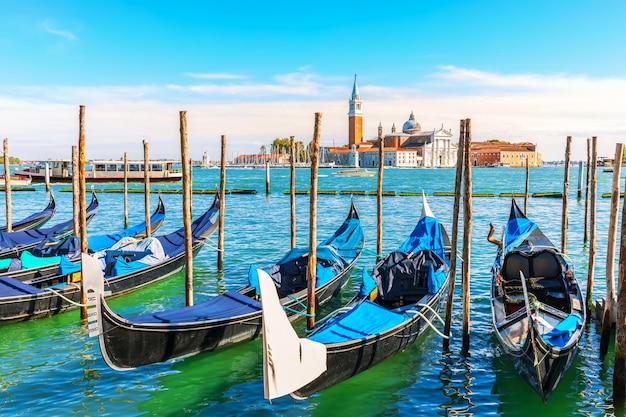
x: 498, y: 153
x: 410, y: 148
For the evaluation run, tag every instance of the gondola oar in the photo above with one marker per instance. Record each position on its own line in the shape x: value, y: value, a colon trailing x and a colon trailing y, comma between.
x: 531, y: 330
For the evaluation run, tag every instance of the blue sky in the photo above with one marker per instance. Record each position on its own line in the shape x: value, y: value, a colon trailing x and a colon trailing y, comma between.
x: 535, y: 71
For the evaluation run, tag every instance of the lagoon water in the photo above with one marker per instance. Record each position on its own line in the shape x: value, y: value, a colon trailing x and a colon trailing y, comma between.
x: 51, y: 367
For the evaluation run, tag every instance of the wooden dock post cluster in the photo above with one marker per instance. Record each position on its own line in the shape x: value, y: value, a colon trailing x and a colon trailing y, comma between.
x: 592, y: 223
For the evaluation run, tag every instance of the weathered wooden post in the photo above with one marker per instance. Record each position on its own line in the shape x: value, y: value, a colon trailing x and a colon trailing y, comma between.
x: 619, y: 369
x: 587, y: 179
x: 184, y: 159
x: 7, y: 185
x: 220, y: 231
x: 379, y: 195
x: 146, y: 185
x: 467, y: 233
x: 312, y: 265
x: 75, y: 192
x: 267, y: 177
x: 527, y: 188
x: 292, y: 191
x: 565, y: 195
x: 580, y: 180
x: 592, y: 224
x: 47, y: 177
x: 607, y: 314
x: 125, y: 191
x: 81, y: 199
x: 455, y: 232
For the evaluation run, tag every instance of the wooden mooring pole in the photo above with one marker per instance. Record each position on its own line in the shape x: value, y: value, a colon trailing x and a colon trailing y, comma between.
x: 467, y: 233
x: 580, y: 180
x: 592, y: 224
x: 267, y: 177
x: 455, y: 232
x: 312, y: 265
x: 527, y: 188
x: 75, y: 192
x: 568, y: 146
x: 82, y: 218
x: 7, y: 185
x: 619, y: 370
x: 220, y: 230
x: 125, y: 191
x: 146, y: 186
x: 609, y: 302
x: 379, y: 195
x: 587, y: 179
x: 292, y: 190
x: 184, y: 160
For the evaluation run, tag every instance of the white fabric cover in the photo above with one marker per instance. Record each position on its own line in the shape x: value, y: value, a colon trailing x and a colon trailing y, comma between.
x: 289, y: 362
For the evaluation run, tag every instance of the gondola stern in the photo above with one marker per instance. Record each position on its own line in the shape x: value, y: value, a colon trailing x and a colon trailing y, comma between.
x: 289, y: 362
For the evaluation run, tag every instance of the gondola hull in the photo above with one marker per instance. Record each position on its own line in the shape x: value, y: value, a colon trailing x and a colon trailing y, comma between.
x: 129, y: 345
x: 229, y: 318
x: 34, y: 221
x: 345, y: 360
x: 28, y: 239
x: 66, y: 295
x: 537, y: 305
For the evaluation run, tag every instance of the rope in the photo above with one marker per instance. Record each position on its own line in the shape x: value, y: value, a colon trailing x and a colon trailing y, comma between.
x: 435, y: 313
x: 419, y: 313
x: 58, y: 294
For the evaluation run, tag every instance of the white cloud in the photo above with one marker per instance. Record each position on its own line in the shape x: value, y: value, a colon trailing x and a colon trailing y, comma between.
x: 215, y: 76
x: 41, y: 122
x: 63, y: 33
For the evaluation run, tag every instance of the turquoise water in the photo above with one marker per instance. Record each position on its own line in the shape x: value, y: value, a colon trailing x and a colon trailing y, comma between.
x: 51, y: 366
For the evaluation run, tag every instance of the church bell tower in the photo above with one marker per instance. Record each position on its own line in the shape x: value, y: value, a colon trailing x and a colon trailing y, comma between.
x: 355, y: 118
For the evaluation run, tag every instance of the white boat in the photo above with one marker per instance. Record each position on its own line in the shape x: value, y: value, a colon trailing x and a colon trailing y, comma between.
x: 60, y: 170
x: 16, y: 181
x: 355, y: 172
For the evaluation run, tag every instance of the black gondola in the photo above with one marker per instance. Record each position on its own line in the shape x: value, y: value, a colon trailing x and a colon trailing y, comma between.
x: 233, y: 317
x: 395, y: 306
x: 14, y: 243
x: 44, y: 260
x: 35, y: 220
x: 537, y: 305
x: 128, y: 268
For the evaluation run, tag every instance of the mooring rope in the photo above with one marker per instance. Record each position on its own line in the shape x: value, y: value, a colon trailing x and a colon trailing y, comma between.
x: 428, y: 322
x: 58, y: 294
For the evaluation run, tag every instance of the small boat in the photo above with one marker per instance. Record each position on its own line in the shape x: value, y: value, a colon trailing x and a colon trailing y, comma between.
x: 45, y: 259
x: 395, y: 306
x: 355, y: 172
x: 233, y: 317
x: 16, y: 181
x: 537, y: 306
x: 126, y: 268
x: 12, y: 244
x: 35, y: 220
x: 100, y: 171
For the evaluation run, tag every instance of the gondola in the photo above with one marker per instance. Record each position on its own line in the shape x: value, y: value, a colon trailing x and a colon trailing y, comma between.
x: 35, y: 220
x: 127, y: 267
x: 537, y: 306
x: 396, y: 304
x: 55, y: 256
x: 12, y: 244
x: 233, y: 317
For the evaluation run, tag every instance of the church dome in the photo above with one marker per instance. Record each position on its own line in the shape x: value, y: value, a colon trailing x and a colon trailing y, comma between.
x: 411, y: 125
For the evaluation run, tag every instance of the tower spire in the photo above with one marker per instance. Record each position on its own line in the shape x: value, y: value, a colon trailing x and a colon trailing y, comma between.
x: 355, y: 117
